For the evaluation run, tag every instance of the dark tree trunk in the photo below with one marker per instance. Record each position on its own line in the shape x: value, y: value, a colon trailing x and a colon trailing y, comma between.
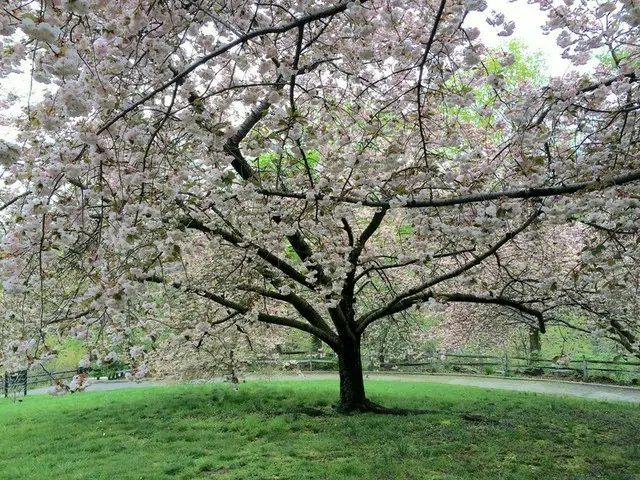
x: 534, y: 341
x: 352, y: 397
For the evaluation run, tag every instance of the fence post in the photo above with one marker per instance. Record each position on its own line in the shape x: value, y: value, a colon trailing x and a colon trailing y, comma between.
x: 585, y: 370
x: 6, y: 384
x: 506, y: 363
x: 26, y: 379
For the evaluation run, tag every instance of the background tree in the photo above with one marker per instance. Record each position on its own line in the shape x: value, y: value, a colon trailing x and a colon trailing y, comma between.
x: 261, y: 156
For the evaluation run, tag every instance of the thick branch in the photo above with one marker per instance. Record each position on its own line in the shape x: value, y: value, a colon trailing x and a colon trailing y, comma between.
x: 354, y: 255
x: 373, y: 226
x: 392, y: 306
x: 242, y: 309
x: 240, y: 165
x: 347, y: 228
x: 523, y: 193
x: 590, y: 88
x: 232, y: 145
x: 305, y: 327
x: 626, y: 337
x: 262, y: 252
x: 303, y: 307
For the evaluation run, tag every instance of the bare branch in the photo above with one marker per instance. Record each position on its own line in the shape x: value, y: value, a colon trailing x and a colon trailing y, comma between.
x: 14, y: 200
x: 505, y: 302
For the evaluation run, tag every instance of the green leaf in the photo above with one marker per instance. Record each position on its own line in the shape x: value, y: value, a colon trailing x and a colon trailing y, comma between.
x: 405, y: 230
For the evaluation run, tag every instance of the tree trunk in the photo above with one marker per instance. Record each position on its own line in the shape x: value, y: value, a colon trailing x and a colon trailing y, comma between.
x: 352, y: 397
x: 534, y: 340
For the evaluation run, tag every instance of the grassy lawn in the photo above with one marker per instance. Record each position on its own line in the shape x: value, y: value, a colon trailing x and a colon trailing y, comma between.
x: 190, y: 432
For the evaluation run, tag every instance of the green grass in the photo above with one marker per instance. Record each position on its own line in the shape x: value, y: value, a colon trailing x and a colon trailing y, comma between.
x: 190, y: 432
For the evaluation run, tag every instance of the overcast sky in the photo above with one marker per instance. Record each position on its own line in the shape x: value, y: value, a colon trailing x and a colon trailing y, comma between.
x: 529, y: 20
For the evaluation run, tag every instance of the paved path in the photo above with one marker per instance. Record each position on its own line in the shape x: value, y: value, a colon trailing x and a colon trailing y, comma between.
x: 574, y: 389
x: 102, y: 385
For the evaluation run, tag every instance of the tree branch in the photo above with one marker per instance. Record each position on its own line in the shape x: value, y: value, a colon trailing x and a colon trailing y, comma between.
x: 505, y: 302
x: 399, y: 300
x: 305, y: 327
x: 303, y: 307
x: 242, y: 309
x: 350, y: 282
x: 410, y: 262
x: 523, y: 193
x: 14, y: 200
x: 262, y: 252
x: 423, y: 62
x: 329, y: 12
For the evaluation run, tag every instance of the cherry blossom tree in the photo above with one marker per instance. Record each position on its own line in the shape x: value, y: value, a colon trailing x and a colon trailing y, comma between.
x: 301, y: 164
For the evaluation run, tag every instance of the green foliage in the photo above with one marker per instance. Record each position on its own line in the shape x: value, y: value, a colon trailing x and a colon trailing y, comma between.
x: 287, y: 164
x: 563, y: 341
x: 69, y: 354
x: 108, y: 370
x: 405, y: 230
x: 623, y: 57
x: 190, y: 432
x: 527, y: 67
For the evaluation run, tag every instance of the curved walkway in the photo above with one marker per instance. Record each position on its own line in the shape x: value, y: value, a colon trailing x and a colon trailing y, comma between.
x: 574, y: 389
x: 592, y: 391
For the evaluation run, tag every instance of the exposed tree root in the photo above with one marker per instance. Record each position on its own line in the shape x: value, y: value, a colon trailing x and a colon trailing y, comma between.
x: 474, y: 417
x: 367, y: 406
x: 312, y: 412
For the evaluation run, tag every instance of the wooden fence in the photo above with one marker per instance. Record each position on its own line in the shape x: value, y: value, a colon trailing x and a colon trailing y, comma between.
x: 583, y: 368
x: 23, y: 380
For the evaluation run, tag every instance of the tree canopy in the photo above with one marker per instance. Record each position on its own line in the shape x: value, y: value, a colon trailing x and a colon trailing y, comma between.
x: 315, y: 165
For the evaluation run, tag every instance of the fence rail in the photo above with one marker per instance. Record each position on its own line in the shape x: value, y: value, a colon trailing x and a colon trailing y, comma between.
x: 22, y: 380
x: 583, y: 367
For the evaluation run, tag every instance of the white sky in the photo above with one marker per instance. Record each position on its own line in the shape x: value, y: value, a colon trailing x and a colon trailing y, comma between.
x: 529, y: 20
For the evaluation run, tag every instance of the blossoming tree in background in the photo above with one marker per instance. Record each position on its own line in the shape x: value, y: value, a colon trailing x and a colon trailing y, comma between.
x: 260, y: 158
